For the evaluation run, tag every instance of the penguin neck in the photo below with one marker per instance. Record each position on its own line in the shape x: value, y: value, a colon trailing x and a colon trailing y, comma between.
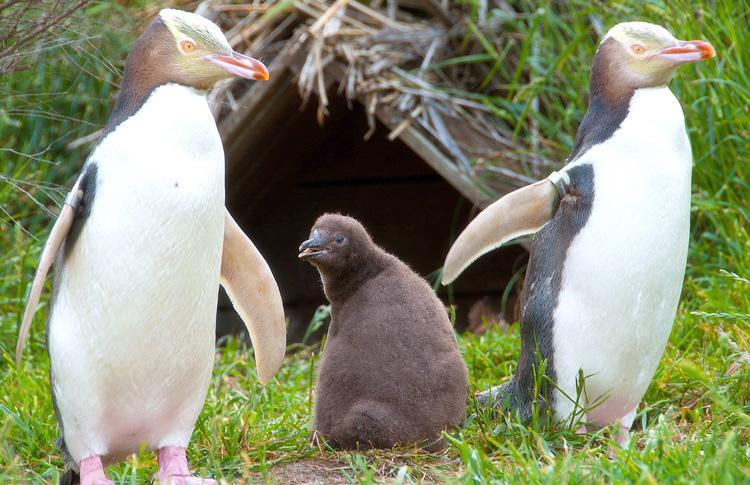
x: 654, y: 116
x: 132, y: 97
x: 602, y: 119
x: 340, y: 285
x: 609, y: 100
x: 146, y: 68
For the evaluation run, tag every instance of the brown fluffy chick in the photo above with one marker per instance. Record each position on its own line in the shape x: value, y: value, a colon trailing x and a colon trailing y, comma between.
x: 391, y: 372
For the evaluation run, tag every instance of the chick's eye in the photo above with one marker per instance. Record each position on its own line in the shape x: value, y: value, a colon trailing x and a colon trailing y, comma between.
x: 339, y: 239
x: 638, y: 49
x: 188, y: 46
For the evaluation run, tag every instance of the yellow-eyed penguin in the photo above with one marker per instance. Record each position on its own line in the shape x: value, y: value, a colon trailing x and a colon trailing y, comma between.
x: 608, y: 260
x: 145, y: 242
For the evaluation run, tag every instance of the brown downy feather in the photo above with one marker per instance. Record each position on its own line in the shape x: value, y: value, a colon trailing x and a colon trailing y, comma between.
x: 391, y: 371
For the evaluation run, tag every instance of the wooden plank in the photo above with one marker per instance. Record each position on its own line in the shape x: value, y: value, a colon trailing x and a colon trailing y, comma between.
x: 417, y: 141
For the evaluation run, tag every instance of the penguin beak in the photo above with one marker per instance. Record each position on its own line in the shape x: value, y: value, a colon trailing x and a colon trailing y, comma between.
x: 687, y: 51
x: 313, y: 247
x: 240, y: 65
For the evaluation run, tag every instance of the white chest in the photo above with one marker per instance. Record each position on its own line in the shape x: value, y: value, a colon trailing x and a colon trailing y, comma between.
x: 157, y: 216
x: 170, y: 150
x: 623, y: 272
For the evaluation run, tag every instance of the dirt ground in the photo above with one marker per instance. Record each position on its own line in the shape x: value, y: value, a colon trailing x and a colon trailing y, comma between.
x: 318, y: 471
x: 307, y: 472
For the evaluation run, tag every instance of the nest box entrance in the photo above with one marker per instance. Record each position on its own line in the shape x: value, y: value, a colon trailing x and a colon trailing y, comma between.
x: 292, y: 170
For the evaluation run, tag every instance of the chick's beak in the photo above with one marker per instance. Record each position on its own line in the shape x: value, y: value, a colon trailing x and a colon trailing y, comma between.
x: 687, y: 51
x: 240, y: 65
x: 312, y: 247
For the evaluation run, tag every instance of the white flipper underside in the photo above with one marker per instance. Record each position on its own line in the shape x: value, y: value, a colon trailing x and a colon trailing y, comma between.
x: 246, y: 277
x: 517, y: 214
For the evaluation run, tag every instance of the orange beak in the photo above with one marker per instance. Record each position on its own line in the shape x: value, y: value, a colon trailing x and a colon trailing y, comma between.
x: 688, y: 51
x: 240, y: 65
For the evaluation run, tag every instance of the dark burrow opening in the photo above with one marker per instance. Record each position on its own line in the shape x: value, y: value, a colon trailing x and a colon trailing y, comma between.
x: 276, y: 191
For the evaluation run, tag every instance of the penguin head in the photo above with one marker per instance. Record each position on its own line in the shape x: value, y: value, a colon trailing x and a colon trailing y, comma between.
x: 337, y: 244
x: 641, y: 55
x: 187, y: 49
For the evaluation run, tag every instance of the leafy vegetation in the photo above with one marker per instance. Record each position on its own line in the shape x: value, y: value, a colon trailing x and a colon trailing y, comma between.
x: 693, y: 426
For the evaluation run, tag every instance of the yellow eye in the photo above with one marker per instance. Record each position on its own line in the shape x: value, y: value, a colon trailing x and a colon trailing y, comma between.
x: 637, y: 49
x: 188, y: 46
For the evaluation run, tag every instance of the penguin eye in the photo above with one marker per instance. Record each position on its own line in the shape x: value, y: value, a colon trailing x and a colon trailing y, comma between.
x: 188, y: 46
x: 637, y: 49
x: 339, y: 240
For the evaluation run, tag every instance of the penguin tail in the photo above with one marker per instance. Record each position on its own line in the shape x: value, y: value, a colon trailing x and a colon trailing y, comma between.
x: 513, y: 398
x: 70, y: 477
x: 504, y: 398
x: 496, y: 397
x: 70, y: 474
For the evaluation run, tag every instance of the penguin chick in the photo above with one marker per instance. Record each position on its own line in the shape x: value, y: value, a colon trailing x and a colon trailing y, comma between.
x: 391, y: 372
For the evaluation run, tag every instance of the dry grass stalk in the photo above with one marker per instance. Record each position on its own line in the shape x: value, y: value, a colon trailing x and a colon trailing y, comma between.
x: 394, y: 64
x: 28, y: 27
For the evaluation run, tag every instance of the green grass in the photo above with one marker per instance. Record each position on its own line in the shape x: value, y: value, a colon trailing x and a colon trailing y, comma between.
x: 693, y: 426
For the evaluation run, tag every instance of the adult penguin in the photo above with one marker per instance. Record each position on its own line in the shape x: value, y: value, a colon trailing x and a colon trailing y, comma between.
x: 145, y: 242
x: 608, y: 260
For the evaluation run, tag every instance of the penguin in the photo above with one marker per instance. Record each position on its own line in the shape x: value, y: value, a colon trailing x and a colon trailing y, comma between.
x: 140, y: 248
x: 611, y: 238
x: 391, y: 372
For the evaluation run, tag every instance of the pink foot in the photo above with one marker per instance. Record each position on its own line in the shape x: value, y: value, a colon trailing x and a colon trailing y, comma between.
x: 173, y: 469
x: 623, y: 436
x: 92, y: 472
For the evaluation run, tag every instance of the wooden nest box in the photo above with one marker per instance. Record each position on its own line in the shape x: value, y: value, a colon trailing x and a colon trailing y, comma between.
x: 326, y: 133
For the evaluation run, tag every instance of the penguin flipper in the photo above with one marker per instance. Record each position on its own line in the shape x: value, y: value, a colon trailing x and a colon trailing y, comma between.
x: 522, y: 212
x: 56, y: 237
x: 248, y: 280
